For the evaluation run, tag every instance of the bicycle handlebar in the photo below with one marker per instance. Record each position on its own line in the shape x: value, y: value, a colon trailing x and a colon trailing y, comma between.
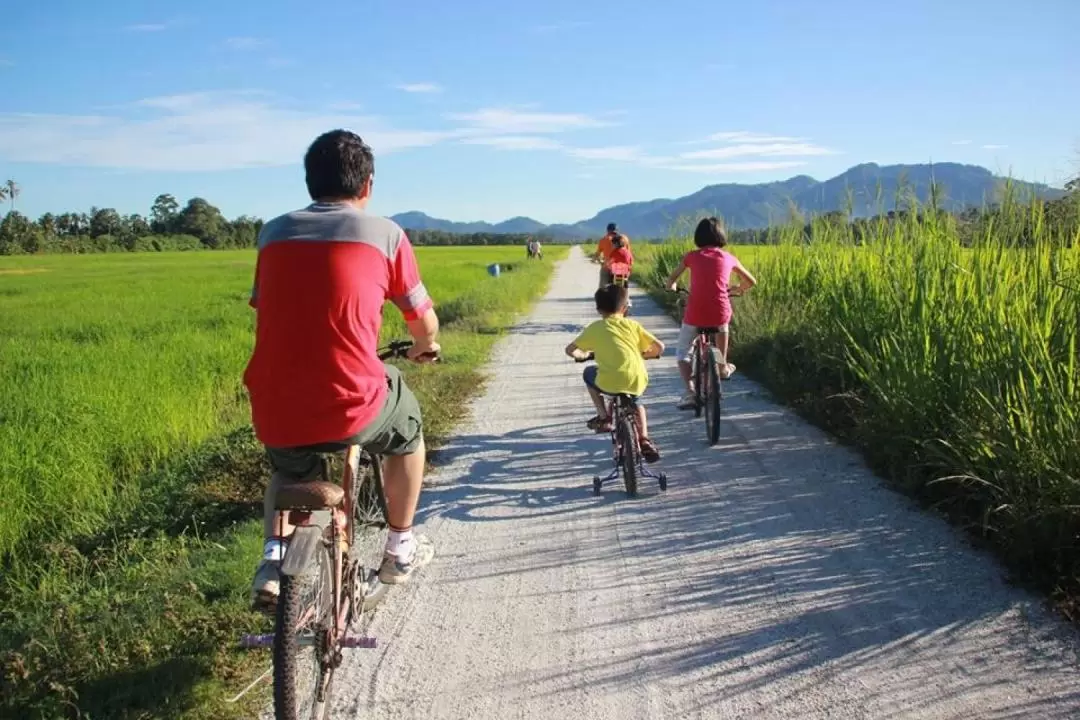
x: 400, y: 349
x: 592, y: 356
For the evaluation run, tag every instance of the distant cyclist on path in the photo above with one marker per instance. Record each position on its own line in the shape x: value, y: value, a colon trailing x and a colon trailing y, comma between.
x: 604, y: 250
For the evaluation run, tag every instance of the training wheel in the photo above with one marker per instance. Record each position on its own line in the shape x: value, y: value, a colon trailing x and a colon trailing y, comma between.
x: 663, y: 481
x: 596, y: 485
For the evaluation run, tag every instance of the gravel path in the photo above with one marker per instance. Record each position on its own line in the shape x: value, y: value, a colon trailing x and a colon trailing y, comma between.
x: 776, y: 578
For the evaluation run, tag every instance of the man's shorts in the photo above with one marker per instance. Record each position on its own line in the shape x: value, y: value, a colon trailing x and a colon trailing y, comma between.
x: 687, y: 333
x: 396, y: 430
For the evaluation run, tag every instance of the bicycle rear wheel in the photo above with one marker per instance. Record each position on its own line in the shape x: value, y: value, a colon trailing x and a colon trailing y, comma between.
x: 628, y: 440
x: 302, y: 676
x: 369, y: 533
x: 712, y: 399
x: 699, y: 369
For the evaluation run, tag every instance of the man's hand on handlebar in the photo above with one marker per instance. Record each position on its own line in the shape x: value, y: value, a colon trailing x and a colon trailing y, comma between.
x: 424, y: 351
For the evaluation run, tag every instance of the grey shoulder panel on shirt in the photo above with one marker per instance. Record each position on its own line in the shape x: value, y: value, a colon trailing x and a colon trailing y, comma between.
x: 325, y: 222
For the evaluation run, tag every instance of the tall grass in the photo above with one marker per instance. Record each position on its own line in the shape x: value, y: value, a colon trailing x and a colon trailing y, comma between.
x: 954, y: 368
x: 131, y: 479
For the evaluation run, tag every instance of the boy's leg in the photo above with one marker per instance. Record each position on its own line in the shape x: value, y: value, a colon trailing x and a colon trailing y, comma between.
x: 602, y: 423
x: 648, y: 448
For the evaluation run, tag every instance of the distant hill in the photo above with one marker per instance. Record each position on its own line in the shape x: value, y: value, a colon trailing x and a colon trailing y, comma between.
x: 755, y: 206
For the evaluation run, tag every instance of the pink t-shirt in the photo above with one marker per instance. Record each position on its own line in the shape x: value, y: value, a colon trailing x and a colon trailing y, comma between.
x: 708, y: 304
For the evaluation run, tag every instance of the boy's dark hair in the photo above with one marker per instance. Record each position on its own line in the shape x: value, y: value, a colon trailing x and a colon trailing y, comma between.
x: 337, y: 166
x: 710, y: 233
x: 610, y: 299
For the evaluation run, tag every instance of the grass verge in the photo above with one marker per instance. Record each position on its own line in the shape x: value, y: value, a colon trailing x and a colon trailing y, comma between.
x: 129, y: 536
x: 953, y: 369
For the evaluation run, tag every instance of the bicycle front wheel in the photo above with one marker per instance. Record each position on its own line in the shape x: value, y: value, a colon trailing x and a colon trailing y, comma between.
x: 712, y: 400
x: 302, y: 677
x: 628, y: 440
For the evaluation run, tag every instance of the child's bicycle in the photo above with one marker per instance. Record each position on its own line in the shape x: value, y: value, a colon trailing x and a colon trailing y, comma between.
x: 326, y: 586
x: 626, y: 449
x: 705, y: 362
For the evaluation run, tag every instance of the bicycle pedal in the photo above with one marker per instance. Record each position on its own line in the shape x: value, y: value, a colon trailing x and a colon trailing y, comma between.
x: 252, y: 642
x: 359, y: 641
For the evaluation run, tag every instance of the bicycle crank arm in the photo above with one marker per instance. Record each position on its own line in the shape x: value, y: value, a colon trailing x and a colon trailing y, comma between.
x: 252, y: 642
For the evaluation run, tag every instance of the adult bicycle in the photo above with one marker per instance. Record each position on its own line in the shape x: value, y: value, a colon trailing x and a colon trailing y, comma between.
x: 329, y: 576
x: 705, y: 363
x: 625, y: 443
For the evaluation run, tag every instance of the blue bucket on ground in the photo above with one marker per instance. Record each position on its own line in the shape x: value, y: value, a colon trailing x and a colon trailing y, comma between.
x: 493, y: 270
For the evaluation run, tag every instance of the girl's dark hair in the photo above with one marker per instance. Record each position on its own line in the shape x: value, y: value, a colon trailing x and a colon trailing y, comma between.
x: 617, y: 240
x: 710, y: 233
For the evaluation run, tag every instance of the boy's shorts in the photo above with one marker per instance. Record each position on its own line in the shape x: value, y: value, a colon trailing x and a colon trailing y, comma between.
x: 589, y: 375
x: 687, y: 333
x: 396, y: 430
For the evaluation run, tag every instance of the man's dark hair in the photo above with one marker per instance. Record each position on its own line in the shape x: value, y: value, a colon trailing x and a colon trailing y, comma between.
x: 611, y: 227
x: 710, y: 233
x: 337, y: 166
x: 610, y: 299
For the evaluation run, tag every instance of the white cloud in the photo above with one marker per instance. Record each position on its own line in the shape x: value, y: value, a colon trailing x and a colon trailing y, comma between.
x: 720, y: 168
x: 193, y: 132
x: 994, y: 147
x: 421, y: 87
x: 515, y: 122
x: 775, y: 149
x: 245, y: 43
x: 743, y: 136
x: 961, y: 142
x: 147, y: 27
x: 624, y: 153
x: 515, y: 142
x: 5, y: 63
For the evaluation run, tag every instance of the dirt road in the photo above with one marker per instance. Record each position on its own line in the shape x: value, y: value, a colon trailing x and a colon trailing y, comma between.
x: 776, y: 578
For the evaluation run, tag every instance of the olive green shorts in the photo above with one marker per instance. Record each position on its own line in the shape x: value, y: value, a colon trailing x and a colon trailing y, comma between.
x: 397, y: 430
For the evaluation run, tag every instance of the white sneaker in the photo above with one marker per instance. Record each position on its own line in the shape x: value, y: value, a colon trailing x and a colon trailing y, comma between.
x: 727, y: 371
x: 688, y: 402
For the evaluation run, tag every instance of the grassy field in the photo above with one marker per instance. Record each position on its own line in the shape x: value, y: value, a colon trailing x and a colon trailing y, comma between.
x: 131, y: 476
x: 954, y: 369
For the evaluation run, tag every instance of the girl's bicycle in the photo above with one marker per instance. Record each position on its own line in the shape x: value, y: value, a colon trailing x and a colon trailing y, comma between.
x: 705, y: 363
x: 626, y: 448
x: 329, y: 576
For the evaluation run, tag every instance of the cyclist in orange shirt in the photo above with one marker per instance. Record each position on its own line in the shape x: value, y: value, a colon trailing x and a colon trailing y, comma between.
x: 604, y: 250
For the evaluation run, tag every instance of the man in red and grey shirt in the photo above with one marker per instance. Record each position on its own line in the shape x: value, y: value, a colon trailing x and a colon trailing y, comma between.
x: 316, y: 383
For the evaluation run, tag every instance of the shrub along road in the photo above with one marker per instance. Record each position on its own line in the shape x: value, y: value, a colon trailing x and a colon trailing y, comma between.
x: 776, y: 578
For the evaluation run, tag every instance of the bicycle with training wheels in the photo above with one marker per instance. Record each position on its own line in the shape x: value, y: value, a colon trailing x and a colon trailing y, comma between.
x: 329, y: 576
x: 705, y: 362
x: 626, y: 448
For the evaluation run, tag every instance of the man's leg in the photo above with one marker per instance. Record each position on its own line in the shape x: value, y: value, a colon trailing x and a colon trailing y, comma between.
x: 397, y: 435
x: 289, y: 466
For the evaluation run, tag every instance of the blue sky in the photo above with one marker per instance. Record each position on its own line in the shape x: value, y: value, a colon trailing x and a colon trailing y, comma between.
x: 482, y: 110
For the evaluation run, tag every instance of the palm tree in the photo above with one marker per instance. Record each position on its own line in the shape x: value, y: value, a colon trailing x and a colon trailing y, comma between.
x: 12, y: 191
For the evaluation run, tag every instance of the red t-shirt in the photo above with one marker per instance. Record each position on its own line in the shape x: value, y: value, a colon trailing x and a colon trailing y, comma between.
x: 322, y: 277
x: 708, y: 304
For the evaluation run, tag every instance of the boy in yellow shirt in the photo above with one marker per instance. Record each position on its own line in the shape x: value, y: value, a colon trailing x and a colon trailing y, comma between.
x: 619, y: 346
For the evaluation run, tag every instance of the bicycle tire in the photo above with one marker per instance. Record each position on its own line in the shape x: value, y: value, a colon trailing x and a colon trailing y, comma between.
x: 628, y: 439
x: 370, y: 520
x: 712, y: 400
x: 289, y: 656
x: 699, y: 375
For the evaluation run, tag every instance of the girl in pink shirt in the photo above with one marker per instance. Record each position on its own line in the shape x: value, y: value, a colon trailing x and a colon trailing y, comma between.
x: 709, y: 304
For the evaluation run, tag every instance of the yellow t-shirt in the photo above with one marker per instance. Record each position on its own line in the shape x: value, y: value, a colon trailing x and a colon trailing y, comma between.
x: 618, y: 343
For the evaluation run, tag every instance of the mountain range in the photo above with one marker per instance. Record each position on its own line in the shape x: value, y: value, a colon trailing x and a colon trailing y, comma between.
x: 758, y: 205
